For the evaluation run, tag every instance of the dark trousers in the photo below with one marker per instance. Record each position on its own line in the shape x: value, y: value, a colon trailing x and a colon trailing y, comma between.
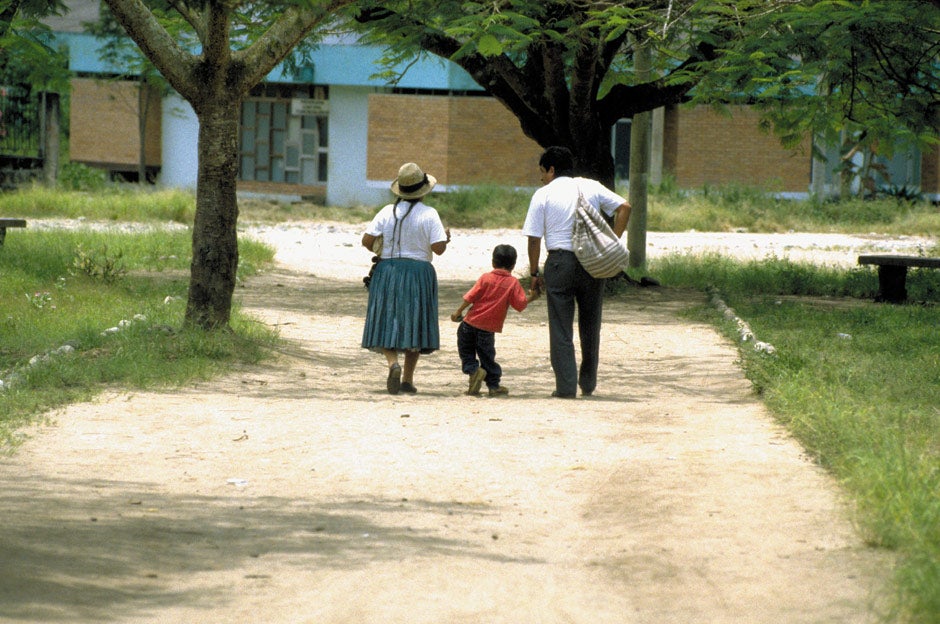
x: 568, y: 285
x: 476, y: 348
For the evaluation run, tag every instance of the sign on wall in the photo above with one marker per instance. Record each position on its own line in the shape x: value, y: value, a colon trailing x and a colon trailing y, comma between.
x: 304, y: 106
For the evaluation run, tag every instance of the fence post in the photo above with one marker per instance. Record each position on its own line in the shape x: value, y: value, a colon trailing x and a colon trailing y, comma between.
x: 50, y: 140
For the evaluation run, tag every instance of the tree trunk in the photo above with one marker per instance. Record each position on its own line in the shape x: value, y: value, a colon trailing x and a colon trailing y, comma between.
x: 593, y: 158
x: 215, y: 241
x: 51, y: 114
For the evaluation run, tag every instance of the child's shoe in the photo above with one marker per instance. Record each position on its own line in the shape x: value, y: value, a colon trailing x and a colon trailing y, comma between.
x: 476, y: 380
x: 499, y: 391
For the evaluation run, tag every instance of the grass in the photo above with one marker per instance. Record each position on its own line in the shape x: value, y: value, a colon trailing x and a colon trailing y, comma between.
x: 61, y: 290
x: 726, y: 208
x: 858, y: 383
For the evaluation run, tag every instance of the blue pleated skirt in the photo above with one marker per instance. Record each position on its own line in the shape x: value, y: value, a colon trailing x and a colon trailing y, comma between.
x: 402, y: 311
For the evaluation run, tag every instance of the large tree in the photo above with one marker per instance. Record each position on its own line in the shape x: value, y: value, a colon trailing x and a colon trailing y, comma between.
x: 225, y: 48
x: 862, y: 75
x: 565, y: 69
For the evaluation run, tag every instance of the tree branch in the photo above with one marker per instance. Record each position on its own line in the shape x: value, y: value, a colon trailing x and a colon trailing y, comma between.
x: 193, y: 17
x: 276, y: 43
x: 155, y: 42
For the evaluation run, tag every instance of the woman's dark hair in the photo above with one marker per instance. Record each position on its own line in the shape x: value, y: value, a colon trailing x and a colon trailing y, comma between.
x: 504, y: 257
x: 558, y: 157
x: 396, y: 228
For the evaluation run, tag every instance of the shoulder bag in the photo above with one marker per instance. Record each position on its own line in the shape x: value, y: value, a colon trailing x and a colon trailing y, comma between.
x: 597, y: 247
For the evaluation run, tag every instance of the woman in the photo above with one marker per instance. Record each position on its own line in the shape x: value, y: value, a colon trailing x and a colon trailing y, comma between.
x: 402, y: 312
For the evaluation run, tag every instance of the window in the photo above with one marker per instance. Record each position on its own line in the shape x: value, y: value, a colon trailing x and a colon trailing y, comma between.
x: 281, y: 141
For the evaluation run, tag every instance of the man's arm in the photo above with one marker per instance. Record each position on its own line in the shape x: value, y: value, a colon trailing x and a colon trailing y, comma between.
x: 535, y: 251
x: 621, y: 218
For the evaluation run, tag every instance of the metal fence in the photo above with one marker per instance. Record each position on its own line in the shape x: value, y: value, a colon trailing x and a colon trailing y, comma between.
x: 20, y: 122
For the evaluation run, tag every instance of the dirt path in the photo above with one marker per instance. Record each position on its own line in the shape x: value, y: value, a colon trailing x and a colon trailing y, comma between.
x: 299, y: 491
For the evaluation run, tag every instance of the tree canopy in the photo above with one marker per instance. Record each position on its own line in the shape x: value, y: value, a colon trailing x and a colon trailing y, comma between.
x: 831, y: 68
x: 565, y: 69
x: 26, y: 40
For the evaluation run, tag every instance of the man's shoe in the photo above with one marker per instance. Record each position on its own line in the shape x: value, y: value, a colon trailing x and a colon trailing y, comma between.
x: 476, y: 380
x: 407, y: 387
x: 393, y: 383
x: 499, y: 391
x: 558, y: 395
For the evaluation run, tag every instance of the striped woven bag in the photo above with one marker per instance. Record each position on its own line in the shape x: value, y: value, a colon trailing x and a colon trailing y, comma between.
x: 598, y: 249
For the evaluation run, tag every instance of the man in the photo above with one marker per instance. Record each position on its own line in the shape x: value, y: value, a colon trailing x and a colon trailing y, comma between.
x: 551, y: 216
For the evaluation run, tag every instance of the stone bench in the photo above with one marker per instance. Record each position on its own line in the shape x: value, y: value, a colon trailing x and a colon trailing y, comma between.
x: 892, y: 273
x: 9, y: 223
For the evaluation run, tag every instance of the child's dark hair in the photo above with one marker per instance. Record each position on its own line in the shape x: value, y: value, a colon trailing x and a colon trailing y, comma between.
x: 504, y: 257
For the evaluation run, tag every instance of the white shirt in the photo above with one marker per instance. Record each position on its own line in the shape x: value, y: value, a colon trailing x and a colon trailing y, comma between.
x: 552, y: 209
x: 416, y: 231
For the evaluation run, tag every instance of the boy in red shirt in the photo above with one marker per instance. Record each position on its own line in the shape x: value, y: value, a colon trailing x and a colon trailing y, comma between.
x: 490, y: 299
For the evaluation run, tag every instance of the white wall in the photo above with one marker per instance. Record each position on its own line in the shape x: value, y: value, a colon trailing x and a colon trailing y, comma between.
x: 346, y: 171
x: 180, y: 144
x: 346, y: 168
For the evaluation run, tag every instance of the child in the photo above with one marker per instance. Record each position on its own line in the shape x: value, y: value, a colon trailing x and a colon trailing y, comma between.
x: 490, y: 299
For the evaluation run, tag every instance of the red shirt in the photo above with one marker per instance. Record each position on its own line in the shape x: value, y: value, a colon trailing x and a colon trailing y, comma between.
x: 491, y: 297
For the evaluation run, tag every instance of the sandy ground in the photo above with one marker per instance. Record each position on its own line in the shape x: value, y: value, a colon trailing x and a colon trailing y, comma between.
x: 299, y: 491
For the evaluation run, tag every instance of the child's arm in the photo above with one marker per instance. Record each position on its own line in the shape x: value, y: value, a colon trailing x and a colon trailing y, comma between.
x: 532, y: 295
x: 457, y: 316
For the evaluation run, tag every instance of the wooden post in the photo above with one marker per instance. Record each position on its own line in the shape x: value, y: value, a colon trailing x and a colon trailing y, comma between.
x: 639, y: 164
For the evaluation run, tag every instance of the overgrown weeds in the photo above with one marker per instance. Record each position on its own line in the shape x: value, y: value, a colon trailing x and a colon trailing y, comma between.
x: 74, y: 321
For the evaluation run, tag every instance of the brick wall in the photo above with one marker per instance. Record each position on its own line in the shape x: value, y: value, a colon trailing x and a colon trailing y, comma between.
x: 459, y: 140
x: 103, y: 125
x: 407, y: 129
x: 702, y: 146
x: 488, y: 146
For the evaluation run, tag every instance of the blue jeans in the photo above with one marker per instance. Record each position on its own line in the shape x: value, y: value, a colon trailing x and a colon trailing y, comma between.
x: 476, y: 348
x: 567, y: 285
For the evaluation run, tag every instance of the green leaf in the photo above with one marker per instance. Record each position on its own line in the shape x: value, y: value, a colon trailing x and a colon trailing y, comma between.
x: 489, y: 46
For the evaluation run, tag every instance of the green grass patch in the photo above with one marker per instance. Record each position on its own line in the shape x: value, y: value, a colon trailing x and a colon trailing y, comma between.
x: 858, y: 383
x: 62, y: 291
x: 115, y: 203
x: 735, y: 207
x: 711, y: 208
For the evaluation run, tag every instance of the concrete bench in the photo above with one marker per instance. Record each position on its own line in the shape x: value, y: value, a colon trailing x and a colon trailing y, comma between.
x: 8, y: 223
x: 892, y: 273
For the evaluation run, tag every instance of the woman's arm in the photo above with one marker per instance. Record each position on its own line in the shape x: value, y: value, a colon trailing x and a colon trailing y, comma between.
x: 441, y: 246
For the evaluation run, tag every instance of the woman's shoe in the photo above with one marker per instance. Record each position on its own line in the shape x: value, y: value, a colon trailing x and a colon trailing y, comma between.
x: 393, y: 383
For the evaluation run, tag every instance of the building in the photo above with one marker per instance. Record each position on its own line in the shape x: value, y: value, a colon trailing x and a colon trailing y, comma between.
x: 338, y: 134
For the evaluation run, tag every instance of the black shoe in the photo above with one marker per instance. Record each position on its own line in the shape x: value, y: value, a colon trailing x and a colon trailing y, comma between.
x: 407, y: 387
x: 393, y: 383
x: 558, y: 395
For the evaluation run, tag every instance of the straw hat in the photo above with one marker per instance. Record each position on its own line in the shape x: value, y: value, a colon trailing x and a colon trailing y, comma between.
x: 412, y: 183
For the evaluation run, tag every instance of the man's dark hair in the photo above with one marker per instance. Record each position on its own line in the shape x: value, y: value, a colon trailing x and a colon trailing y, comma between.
x: 504, y: 257
x: 558, y: 157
